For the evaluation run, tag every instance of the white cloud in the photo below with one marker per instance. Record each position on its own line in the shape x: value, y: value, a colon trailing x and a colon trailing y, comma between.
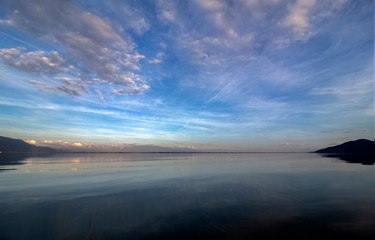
x: 158, y: 58
x: 93, y: 46
x: 299, y: 14
x: 298, y: 19
x: 38, y: 62
x: 155, y: 60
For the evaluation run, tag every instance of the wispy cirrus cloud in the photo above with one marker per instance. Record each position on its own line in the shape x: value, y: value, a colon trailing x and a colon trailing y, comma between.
x: 235, y: 32
x: 221, y: 39
x: 355, y: 93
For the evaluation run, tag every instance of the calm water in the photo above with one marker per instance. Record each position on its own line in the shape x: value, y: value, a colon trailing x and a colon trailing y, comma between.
x: 186, y: 196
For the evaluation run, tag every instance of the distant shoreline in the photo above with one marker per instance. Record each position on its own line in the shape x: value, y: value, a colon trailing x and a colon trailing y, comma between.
x: 58, y: 152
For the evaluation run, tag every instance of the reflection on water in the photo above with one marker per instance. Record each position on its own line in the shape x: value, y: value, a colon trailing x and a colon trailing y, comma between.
x: 186, y: 196
x: 365, y: 159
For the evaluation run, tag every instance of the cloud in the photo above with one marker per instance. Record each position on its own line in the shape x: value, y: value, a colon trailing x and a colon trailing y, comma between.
x: 356, y: 88
x: 303, y: 14
x: 70, y: 86
x: 166, y: 11
x: 221, y: 32
x: 37, y: 63
x: 349, y: 97
x: 68, y: 90
x: 211, y: 32
x: 251, y: 3
x: 337, y: 4
x: 135, y: 20
x: 37, y: 82
x: 42, y: 63
x: 219, y: 15
x: 92, y: 46
x: 158, y: 58
x: 31, y: 141
x: 77, y: 144
x: 219, y: 50
x: 298, y: 18
x: 111, y: 147
x: 134, y: 90
x: 100, y: 94
x: 60, y: 143
x: 298, y: 15
x: 155, y: 60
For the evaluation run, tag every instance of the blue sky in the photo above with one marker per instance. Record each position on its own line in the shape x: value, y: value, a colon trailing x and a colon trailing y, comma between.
x: 207, y: 75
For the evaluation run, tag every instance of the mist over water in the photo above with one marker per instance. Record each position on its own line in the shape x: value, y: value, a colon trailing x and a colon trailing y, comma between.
x: 186, y: 196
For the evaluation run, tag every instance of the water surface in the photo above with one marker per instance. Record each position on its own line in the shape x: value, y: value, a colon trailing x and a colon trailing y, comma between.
x: 186, y: 196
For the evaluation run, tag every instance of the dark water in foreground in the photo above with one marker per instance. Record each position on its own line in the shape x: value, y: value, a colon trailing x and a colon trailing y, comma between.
x: 186, y: 196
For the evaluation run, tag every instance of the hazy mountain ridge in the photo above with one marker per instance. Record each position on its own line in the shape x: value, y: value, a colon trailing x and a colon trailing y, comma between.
x: 11, y: 145
x: 18, y: 145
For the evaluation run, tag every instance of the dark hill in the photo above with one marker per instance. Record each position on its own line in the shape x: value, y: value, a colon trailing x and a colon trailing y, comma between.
x: 17, y: 145
x: 360, y: 146
x: 359, y: 151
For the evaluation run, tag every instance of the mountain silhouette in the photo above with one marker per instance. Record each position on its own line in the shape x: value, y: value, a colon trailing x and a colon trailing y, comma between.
x: 8, y: 145
x: 358, y: 151
x: 360, y: 146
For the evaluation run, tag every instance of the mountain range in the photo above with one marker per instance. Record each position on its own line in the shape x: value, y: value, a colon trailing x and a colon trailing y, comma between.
x: 360, y: 146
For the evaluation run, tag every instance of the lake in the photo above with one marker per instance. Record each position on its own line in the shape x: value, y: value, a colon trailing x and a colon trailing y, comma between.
x: 186, y: 196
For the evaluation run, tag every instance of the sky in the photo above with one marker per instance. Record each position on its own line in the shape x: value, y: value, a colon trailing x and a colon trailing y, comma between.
x: 198, y: 75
